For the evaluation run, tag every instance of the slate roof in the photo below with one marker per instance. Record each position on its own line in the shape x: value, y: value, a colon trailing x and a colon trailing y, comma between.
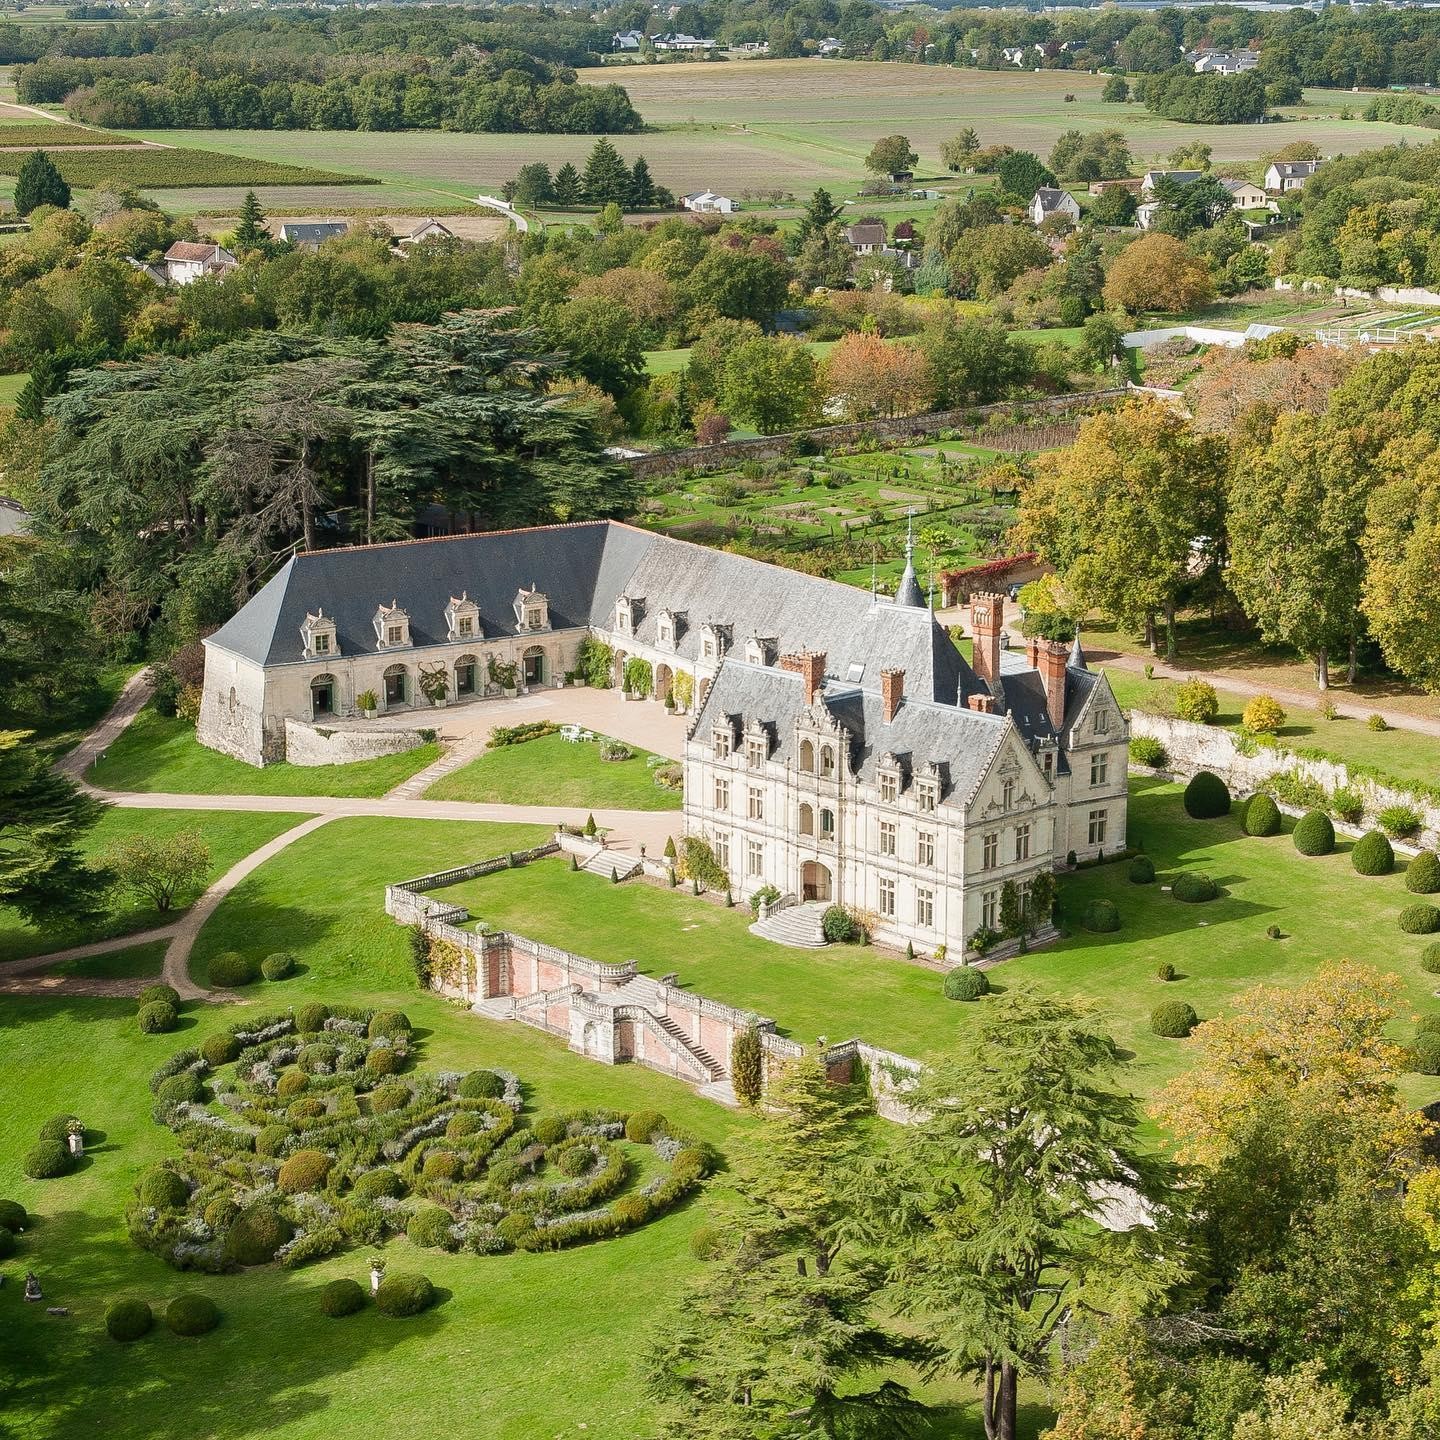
x: 1049, y: 198
x: 313, y: 234
x: 1294, y: 169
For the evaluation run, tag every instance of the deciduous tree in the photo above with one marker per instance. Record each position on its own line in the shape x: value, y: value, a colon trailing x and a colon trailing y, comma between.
x: 159, y: 868
x: 1157, y: 272
x: 891, y: 155
x: 871, y: 377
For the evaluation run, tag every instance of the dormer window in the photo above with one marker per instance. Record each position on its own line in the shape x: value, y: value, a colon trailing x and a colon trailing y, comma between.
x: 318, y: 636
x: 668, y: 625
x: 889, y: 785
x: 532, y: 609
x: 462, y: 618
x: 757, y: 751
x: 927, y: 794
x: 758, y: 650
x: 723, y: 741
x: 628, y: 610
x: 712, y: 642
x: 392, y: 626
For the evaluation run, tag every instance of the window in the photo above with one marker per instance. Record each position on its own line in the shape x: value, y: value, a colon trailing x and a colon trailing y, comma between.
x: 722, y: 744
x: 1102, y: 722
x: 394, y: 634
x: 755, y: 753
x: 1049, y: 760
x: 1022, y: 842
x: 991, y: 856
x: 924, y: 907
x: 807, y: 820
x: 807, y: 757
x: 321, y: 644
x: 887, y: 898
x: 1022, y: 894
x: 925, y: 847
x: 465, y: 675
x: 755, y: 805
x: 827, y: 760
x: 708, y: 649
x: 827, y: 824
x: 889, y: 787
x: 1099, y: 768
x: 754, y: 857
x: 887, y: 837
x: 465, y: 625
x: 1007, y: 795
x: 1098, y: 820
x: 925, y: 795
x: 722, y: 794
x: 989, y: 908
x: 663, y: 631
x: 722, y: 852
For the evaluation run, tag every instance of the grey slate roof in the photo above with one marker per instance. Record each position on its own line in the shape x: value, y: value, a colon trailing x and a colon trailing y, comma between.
x: 315, y: 233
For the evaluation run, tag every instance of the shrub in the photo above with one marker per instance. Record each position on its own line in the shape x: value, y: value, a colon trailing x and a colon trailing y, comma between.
x: 1430, y: 958
x: 305, y: 1170
x: 157, y: 1018
x: 185, y: 1088
x: 46, y: 1160
x: 1347, y: 805
x: 1147, y: 750
x: 318, y: 1058
x: 379, y: 1184
x: 430, y: 1227
x: 632, y: 1210
x: 1260, y: 816
x: 221, y: 1212
x: 1422, y: 874
x: 271, y: 1139
x: 1197, y: 702
x: 640, y: 1128
x: 1400, y: 821
x: 1142, y: 870
x: 1377, y: 722
x: 292, y: 1082
x: 837, y: 926
x: 151, y: 993
x: 1193, y: 887
x: 966, y: 983
x: 550, y: 1129
x: 308, y: 1107
x: 128, y: 1320
x: 1263, y: 716
x: 1174, y: 1019
x: 401, y: 1295
x: 57, y: 1127
x: 443, y: 1165
x: 12, y: 1215
x: 1425, y: 1054
x: 481, y: 1085
x: 383, y: 1061
x: 231, y: 969
x: 220, y: 1049
x: 1206, y: 797
x: 388, y: 1022
x: 707, y: 1241
x: 162, y: 1188
x: 467, y: 1123
x: 310, y: 1019
x: 1101, y: 916
x: 1274, y: 932
x: 1420, y: 919
x: 256, y: 1235
x: 1314, y: 835
x: 342, y: 1297
x: 392, y: 1096
x: 192, y: 1315
x: 1372, y: 854
x: 279, y: 966
x: 576, y: 1160
x: 1165, y: 972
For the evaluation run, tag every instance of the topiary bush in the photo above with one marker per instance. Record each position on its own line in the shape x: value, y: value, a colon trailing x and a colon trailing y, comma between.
x: 1142, y: 870
x: 220, y: 1049
x: 394, y: 1095
x: 342, y: 1297
x: 1173, y: 1019
x: 279, y: 966
x: 1422, y: 874
x: 1196, y: 701
x: 310, y: 1019
x: 305, y: 1170
x: 152, y: 993
x: 837, y: 926
x: 1314, y: 834
x: 1193, y: 887
x: 1420, y: 919
x: 57, y: 1127
x: 292, y: 1083
x: 383, y: 1061
x: 481, y: 1085
x: 1373, y: 854
x: 1261, y: 815
x: 12, y: 1215
x: 1101, y: 916
x: 157, y: 1018
x: 163, y: 1189
x: 318, y: 1058
x: 230, y: 969
x: 402, y: 1295
x: 128, y: 1320
x: 430, y: 1227
x: 46, y: 1160
x: 192, y: 1315
x: 966, y: 983
x: 388, y: 1022
x: 258, y: 1232
x: 377, y: 1185
x: 1425, y: 1053
x: 1165, y: 972
x: 641, y: 1126
x: 1263, y: 715
x: 186, y: 1088
x: 1206, y: 797
x: 443, y: 1165
x: 1429, y: 960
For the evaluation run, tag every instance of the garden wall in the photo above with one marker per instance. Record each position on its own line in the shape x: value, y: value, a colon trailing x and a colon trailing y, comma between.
x: 307, y: 744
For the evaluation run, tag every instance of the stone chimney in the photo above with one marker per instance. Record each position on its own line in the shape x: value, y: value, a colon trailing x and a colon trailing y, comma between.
x: 985, y: 704
x: 987, y: 619
x: 892, y: 692
x: 1050, y: 659
x: 809, y: 665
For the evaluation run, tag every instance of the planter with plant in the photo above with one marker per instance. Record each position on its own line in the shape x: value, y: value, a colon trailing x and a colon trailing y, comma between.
x: 506, y: 675
x: 435, y: 684
x: 367, y: 702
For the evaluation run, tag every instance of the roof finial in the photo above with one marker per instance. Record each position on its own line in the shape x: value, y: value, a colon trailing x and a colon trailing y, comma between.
x: 909, y: 592
x: 909, y: 533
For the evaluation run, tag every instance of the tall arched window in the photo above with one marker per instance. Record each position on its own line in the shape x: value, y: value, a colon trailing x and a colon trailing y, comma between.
x: 807, y: 757
x: 827, y: 760
x: 397, y: 685
x: 807, y: 820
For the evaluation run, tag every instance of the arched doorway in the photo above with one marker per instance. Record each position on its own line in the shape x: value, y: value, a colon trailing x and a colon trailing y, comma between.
x: 397, y: 686
x: 534, y: 666
x: 467, y: 671
x: 322, y: 696
x: 814, y: 881
x: 620, y: 658
x: 664, y: 680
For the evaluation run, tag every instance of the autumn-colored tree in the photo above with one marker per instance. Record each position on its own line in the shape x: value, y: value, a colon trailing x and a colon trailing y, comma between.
x: 869, y: 377
x: 1239, y: 392
x: 1157, y: 272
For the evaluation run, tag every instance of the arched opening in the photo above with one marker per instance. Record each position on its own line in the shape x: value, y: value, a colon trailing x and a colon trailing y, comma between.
x: 664, y: 681
x: 827, y: 759
x: 590, y: 1039
x: 534, y: 665
x: 807, y: 820
x: 814, y: 881
x: 322, y: 696
x: 467, y: 670
x: 397, y: 686
x: 827, y: 824
x: 807, y: 757
x: 619, y: 678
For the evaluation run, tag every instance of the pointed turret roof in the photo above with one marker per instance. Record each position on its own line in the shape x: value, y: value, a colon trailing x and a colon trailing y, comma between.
x: 1077, y: 655
x: 909, y: 591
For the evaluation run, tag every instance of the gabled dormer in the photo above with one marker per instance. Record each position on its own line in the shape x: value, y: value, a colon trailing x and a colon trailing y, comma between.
x: 714, y: 640
x: 759, y: 744
x: 929, y: 787
x: 669, y: 627
x: 318, y: 636
x: 760, y: 650
x: 392, y: 627
x: 629, y: 611
x: 889, y: 776
x: 532, y: 609
x: 462, y: 619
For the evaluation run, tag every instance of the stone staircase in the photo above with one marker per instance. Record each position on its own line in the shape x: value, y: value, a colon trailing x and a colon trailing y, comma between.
x: 606, y: 863
x: 460, y: 753
x: 796, y: 925
x: 698, y: 1051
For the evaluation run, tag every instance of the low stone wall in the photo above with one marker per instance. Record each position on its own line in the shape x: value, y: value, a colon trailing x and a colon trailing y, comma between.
x: 308, y: 744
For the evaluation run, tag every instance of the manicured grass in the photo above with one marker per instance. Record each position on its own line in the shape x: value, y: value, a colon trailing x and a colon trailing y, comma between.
x: 231, y: 835
x: 556, y: 771
x: 138, y: 960
x: 157, y: 753
x: 10, y: 388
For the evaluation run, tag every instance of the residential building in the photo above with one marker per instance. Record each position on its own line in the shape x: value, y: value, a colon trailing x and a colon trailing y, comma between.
x: 1151, y: 178
x: 829, y: 46
x: 684, y: 43
x: 1284, y: 175
x: 866, y: 237
x: 1245, y: 194
x: 707, y: 202
x: 1224, y: 62
x: 1048, y: 201
x: 186, y: 261
x: 628, y: 40
x: 311, y: 235
x: 431, y: 229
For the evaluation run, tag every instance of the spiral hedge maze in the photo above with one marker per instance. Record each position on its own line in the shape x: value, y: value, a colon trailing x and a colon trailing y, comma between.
x: 308, y: 1132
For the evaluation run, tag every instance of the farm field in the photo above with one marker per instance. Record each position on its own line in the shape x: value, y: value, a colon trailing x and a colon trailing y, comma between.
x: 144, y: 167
x: 28, y: 131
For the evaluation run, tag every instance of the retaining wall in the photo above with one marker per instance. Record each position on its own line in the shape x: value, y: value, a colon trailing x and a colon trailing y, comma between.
x: 307, y: 744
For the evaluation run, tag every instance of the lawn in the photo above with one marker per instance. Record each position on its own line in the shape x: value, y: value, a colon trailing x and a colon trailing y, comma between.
x: 136, y: 961
x: 556, y: 771
x: 159, y: 753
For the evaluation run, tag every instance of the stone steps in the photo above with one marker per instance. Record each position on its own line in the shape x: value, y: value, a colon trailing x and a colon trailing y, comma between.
x: 698, y: 1051
x: 604, y: 863
x: 460, y: 753
x: 797, y: 926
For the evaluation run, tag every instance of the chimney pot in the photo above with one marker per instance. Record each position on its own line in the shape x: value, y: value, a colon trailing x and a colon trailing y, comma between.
x: 892, y: 692
x: 809, y: 665
x: 1052, y: 656
x: 987, y: 619
x: 983, y: 704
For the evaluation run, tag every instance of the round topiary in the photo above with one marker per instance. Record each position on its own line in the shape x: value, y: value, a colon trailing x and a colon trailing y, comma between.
x: 308, y: 1107
x: 1429, y: 960
x: 1422, y: 874
x: 291, y: 1083
x: 395, y: 1095
x: 7, y: 1243
x: 466, y: 1123
x: 640, y: 1127
x: 256, y: 1235
x: 192, y: 1315
x: 388, y: 1022
x: 443, y: 1165
x: 1174, y: 1019
x: 481, y: 1085
x: 383, y: 1060
x: 128, y: 1320
x: 12, y: 1215
x: 279, y: 966
x: 221, y: 1212
x: 57, y: 1127
x: 342, y: 1297
x: 318, y: 1058
x: 1142, y: 870
x: 575, y: 1161
x: 1372, y: 854
x: 271, y: 1139
x: 1314, y: 834
x: 1165, y: 972
x: 220, y: 1049
x: 1206, y: 797
x: 310, y: 1019
x: 157, y: 1018
x: 1261, y: 815
x: 152, y: 993
x: 230, y: 969
x: 1193, y: 888
x: 401, y: 1295
x: 1101, y: 916
x: 707, y: 1241
x: 378, y: 1184
x: 185, y: 1088
x: 430, y: 1226
x: 1420, y: 919
x: 163, y: 1189
x: 1425, y: 1053
x: 966, y: 983
x: 46, y: 1160
x: 305, y: 1170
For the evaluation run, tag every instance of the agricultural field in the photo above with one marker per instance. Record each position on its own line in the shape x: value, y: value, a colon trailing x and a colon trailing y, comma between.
x: 29, y: 131
x: 145, y: 167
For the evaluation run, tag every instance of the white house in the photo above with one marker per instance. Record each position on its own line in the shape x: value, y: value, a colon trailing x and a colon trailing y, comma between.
x: 1286, y: 175
x: 186, y: 261
x: 1225, y: 62
x: 688, y: 44
x: 311, y: 235
x: 1181, y: 177
x: 1245, y: 194
x: 707, y: 202
x: 1049, y: 201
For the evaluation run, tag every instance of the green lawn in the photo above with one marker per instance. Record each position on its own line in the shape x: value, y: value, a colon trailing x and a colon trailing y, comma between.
x: 137, y: 961
x: 556, y: 771
x: 157, y: 753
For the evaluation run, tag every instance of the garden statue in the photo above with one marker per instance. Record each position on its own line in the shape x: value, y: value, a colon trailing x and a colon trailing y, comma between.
x: 377, y: 1274
x: 32, y: 1286
x: 76, y: 1141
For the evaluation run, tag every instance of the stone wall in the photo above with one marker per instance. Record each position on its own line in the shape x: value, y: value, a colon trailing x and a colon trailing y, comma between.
x: 307, y: 744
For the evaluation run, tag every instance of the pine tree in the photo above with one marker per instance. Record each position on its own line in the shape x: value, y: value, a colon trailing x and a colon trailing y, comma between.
x: 642, y: 187
x: 607, y: 178
x: 820, y: 211
x: 746, y: 1066
x: 250, y: 233
x: 39, y: 183
x: 567, y: 186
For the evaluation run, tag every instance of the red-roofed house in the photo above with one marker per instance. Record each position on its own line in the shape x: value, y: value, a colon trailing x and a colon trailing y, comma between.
x: 187, y: 260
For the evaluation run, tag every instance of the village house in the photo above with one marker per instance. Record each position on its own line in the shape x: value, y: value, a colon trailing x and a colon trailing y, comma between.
x: 867, y: 236
x: 707, y: 202
x: 1223, y: 62
x: 629, y: 41
x: 1286, y: 175
x: 186, y: 261
x: 431, y: 229
x: 1245, y: 194
x: 686, y: 44
x: 1151, y: 178
x: 1048, y: 201
x: 311, y: 235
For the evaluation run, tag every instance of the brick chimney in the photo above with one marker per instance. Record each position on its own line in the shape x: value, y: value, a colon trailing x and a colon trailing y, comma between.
x: 985, y: 704
x: 809, y: 665
x: 892, y: 692
x: 1051, y: 656
x: 987, y: 618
